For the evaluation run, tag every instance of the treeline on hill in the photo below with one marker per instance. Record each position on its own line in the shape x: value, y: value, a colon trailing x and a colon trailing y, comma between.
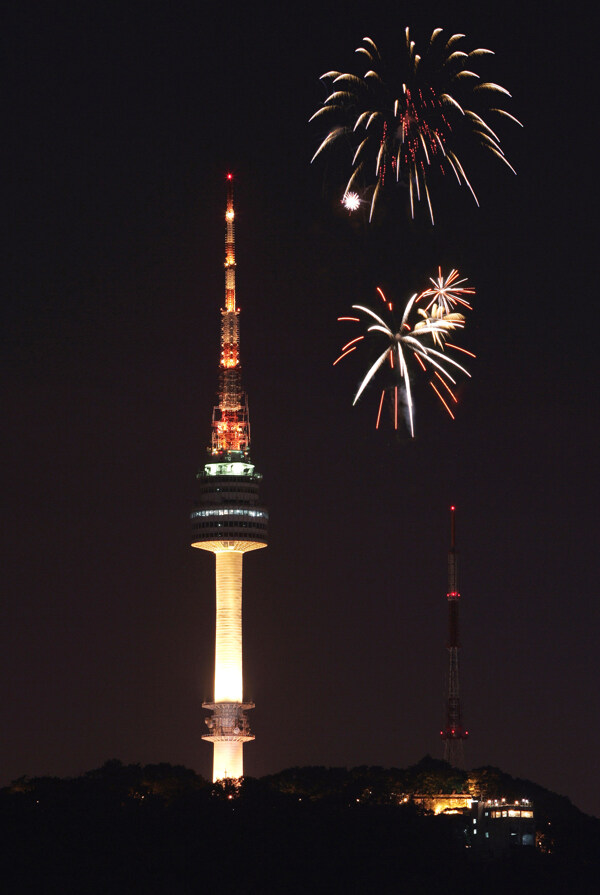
x: 162, y: 828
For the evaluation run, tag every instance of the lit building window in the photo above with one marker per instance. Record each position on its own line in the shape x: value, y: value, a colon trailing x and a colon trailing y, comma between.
x: 233, y: 511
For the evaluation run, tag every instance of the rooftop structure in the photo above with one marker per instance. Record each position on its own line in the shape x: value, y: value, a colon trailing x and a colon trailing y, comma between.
x: 498, y: 826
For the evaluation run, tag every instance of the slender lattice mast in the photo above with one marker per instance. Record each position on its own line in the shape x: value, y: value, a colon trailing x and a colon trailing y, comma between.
x: 229, y: 522
x: 230, y: 426
x: 454, y: 733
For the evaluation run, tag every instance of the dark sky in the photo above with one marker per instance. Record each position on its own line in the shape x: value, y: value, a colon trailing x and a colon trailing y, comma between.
x: 121, y: 120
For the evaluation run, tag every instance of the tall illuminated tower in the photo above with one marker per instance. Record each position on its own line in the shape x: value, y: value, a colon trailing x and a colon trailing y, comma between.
x: 453, y: 734
x: 229, y: 521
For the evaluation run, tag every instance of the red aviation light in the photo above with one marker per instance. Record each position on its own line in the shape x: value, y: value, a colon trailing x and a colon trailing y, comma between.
x: 230, y: 177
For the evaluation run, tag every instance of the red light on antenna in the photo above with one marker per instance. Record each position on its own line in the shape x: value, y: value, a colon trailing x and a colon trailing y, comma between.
x: 452, y: 508
x: 230, y: 177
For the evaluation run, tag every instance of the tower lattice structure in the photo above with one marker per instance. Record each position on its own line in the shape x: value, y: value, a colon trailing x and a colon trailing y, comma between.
x: 454, y: 733
x: 229, y: 521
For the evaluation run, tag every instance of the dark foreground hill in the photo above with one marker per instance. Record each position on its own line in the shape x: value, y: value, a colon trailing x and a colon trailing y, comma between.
x: 163, y: 829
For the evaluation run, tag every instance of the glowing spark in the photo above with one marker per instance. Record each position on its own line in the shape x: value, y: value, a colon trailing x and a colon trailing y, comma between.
x: 406, y: 118
x: 442, y: 400
x: 351, y: 202
x: 447, y: 387
x: 458, y: 348
x: 343, y: 355
x: 380, y: 406
x: 347, y: 345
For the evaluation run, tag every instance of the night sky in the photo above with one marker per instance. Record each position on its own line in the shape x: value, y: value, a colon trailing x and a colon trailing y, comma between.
x: 121, y: 121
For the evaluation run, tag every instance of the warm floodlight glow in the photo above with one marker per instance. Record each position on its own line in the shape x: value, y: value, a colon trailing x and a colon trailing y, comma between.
x: 228, y: 760
x: 228, y: 644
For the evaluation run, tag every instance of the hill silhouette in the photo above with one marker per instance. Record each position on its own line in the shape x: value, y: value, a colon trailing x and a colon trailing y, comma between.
x: 164, y: 829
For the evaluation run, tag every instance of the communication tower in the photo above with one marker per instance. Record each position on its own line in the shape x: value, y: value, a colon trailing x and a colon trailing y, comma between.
x: 454, y: 733
x: 229, y: 521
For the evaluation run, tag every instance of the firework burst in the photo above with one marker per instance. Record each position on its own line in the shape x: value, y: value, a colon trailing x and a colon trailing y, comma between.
x: 447, y: 292
x: 420, y: 340
x: 403, y: 122
x: 351, y: 202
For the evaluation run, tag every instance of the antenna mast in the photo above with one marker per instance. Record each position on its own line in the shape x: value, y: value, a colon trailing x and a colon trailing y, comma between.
x: 453, y: 733
x: 230, y: 423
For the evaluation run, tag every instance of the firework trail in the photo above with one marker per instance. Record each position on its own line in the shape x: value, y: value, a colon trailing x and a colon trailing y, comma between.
x: 420, y: 340
x: 403, y: 121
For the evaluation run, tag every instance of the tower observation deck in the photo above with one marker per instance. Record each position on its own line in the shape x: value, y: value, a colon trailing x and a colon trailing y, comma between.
x: 229, y: 521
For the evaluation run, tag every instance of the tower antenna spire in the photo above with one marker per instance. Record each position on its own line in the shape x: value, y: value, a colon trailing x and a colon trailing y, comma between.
x: 453, y: 733
x: 231, y: 422
x: 229, y: 521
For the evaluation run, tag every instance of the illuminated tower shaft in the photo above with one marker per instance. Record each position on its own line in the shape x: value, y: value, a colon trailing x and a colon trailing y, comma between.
x: 229, y: 522
x: 453, y: 733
